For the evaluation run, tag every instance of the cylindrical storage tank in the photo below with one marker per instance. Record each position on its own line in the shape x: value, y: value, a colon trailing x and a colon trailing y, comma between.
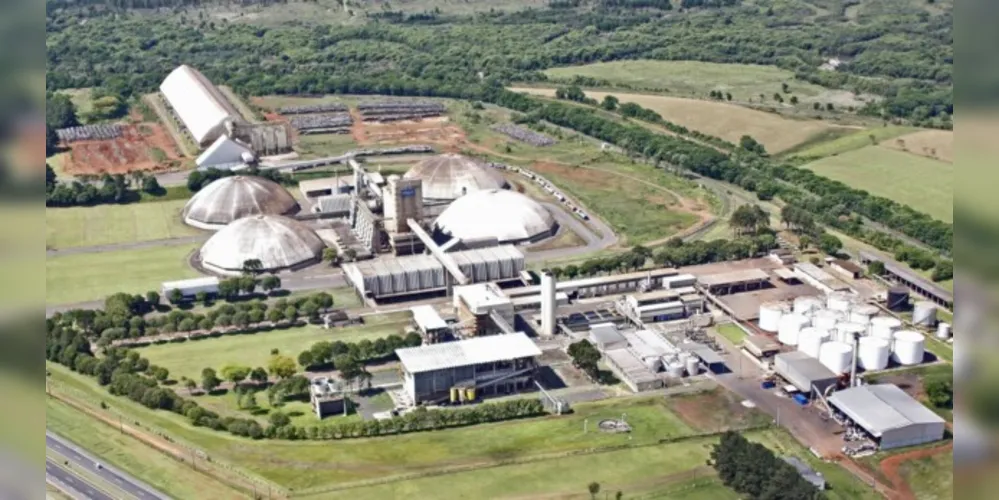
x: 898, y: 298
x: 827, y: 319
x: 862, y: 313
x: 925, y: 314
x: 908, y: 347
x: 873, y: 353
x: 846, y: 330
x: 674, y: 369
x: 692, y: 366
x: 836, y: 356
x: 654, y: 364
x: 884, y: 327
x: 838, y: 301
x: 790, y: 326
x: 943, y: 330
x: 810, y: 340
x: 770, y: 314
x: 807, y: 305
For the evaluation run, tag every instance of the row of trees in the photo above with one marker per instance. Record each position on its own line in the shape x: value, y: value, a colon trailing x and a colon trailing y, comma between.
x: 231, y: 289
x: 337, y: 354
x: 116, y: 188
x: 753, y: 471
x: 198, y: 179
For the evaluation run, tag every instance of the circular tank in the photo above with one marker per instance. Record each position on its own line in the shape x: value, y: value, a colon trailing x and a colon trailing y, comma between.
x: 836, y: 356
x: 770, y: 314
x: 925, y: 313
x: 862, y: 313
x: 692, y: 366
x: 674, y: 368
x: 873, y: 353
x: 653, y: 364
x: 907, y: 348
x: 810, y: 340
x: 846, y: 330
x: 898, y: 298
x: 884, y: 327
x: 943, y: 330
x: 827, y: 319
x: 807, y: 305
x: 790, y: 326
x: 838, y: 301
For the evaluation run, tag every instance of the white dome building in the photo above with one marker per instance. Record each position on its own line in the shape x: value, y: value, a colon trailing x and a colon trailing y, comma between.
x: 230, y: 198
x: 451, y: 176
x: 508, y: 216
x: 278, y: 242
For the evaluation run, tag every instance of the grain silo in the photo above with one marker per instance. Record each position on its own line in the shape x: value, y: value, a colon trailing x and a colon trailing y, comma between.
x: 231, y: 198
x: 450, y: 176
x: 506, y: 216
x: 873, y: 353
x: 789, y: 328
x: 810, y: 340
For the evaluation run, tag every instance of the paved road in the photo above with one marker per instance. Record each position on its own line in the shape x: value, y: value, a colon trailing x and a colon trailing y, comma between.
x: 79, y: 458
x: 594, y: 243
x: 70, y: 484
x: 138, y: 245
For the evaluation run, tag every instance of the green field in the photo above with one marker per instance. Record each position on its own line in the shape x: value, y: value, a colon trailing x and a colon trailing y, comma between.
x: 732, y: 332
x: 115, y: 224
x: 189, y: 358
x: 841, y: 141
x: 924, y: 184
x: 931, y: 478
x: 92, y: 276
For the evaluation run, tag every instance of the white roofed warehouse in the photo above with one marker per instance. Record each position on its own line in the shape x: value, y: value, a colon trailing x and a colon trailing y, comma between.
x: 507, y: 216
x: 466, y: 370
x: 230, y: 198
x: 278, y: 242
x: 891, y: 416
x: 451, y: 176
x: 198, y: 104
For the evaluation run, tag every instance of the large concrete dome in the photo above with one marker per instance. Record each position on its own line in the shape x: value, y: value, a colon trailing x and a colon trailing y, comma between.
x: 278, y: 242
x: 231, y: 198
x: 450, y: 176
x: 505, y: 215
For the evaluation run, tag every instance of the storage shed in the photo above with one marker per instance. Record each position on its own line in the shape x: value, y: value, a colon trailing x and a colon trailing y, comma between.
x: 890, y: 415
x: 804, y: 372
x: 606, y: 337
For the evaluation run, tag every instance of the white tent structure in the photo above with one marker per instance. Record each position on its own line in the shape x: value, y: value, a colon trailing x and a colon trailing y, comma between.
x: 507, y: 216
x: 198, y: 104
x: 223, y: 154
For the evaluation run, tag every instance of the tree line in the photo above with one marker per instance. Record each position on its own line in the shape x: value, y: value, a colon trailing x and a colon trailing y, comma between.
x: 325, y: 355
x: 112, y: 189
x: 753, y: 471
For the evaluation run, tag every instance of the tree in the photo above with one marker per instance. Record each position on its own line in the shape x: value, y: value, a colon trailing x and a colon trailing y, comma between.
x: 816, y: 106
x: 209, y: 380
x: 270, y: 283
x: 940, y: 390
x: 281, y: 366
x: 151, y: 185
x: 153, y: 298
x: 201, y: 297
x: 728, y: 96
x: 593, y: 488
x: 60, y: 112
x: 830, y: 244
x: 829, y: 106
x: 252, y: 266
x: 258, y: 375
x: 324, y: 300
x: 175, y: 297
x: 794, y: 100
x: 190, y: 385
x: 785, y: 88
x: 330, y: 255
x: 876, y: 268
x: 275, y: 315
x: 107, y: 107
x: 235, y: 373
x: 279, y: 419
x: 291, y: 314
x: 749, y: 144
x: 619, y: 495
x: 350, y: 254
x: 305, y: 359
x: 609, y: 103
x: 943, y: 270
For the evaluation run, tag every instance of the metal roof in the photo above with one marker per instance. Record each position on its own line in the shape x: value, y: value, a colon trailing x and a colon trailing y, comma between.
x: 880, y: 408
x: 427, y: 318
x: 733, y: 277
x: 806, y: 366
x: 495, y: 213
x: 654, y: 274
x: 481, y: 295
x: 785, y: 274
x: 199, y: 104
x: 605, y: 334
x: 334, y: 203
x: 330, y: 183
x: 909, y: 275
x: 702, y: 351
x: 469, y: 352
x: 193, y: 282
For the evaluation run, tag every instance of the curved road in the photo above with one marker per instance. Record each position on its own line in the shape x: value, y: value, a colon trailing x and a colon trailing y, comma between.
x: 594, y: 243
x: 79, y: 458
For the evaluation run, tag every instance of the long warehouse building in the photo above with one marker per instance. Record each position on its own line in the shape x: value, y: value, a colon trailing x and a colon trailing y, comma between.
x: 890, y: 415
x: 198, y: 104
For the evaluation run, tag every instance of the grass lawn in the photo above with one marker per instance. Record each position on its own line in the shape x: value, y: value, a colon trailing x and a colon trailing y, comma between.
x: 167, y: 475
x: 935, y: 144
x: 720, y: 119
x: 189, y: 358
x: 732, y: 332
x: 835, y: 144
x: 92, y: 276
x: 924, y: 184
x: 931, y: 478
x: 113, y: 224
x: 319, y: 145
x: 301, y: 412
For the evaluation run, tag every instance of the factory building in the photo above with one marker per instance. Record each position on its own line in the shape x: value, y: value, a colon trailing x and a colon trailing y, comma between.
x: 419, y: 274
x: 224, y: 154
x: 448, y: 177
x: 191, y: 287
x: 606, y: 337
x: 889, y: 415
x: 199, y: 106
x: 483, y: 309
x: 604, y: 285
x: 230, y: 198
x: 277, y: 242
x: 467, y: 370
x: 661, y: 305
x: 431, y: 325
x: 846, y: 268
x: 815, y: 276
x: 733, y: 281
x: 804, y: 372
x: 506, y: 216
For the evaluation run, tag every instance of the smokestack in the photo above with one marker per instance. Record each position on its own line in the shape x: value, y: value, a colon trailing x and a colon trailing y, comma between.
x: 547, y: 303
x: 853, y: 366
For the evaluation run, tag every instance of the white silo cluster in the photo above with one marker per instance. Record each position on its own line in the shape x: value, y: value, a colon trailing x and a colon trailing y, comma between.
x: 830, y: 328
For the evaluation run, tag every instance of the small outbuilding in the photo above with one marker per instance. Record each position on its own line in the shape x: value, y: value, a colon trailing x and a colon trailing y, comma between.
x: 605, y: 337
x: 894, y: 418
x: 804, y: 372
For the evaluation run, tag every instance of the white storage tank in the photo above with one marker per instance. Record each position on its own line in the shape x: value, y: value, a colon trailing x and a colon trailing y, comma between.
x: 836, y: 356
x: 925, y: 313
x: 838, y: 301
x: 654, y: 364
x: 790, y: 326
x: 770, y: 314
x: 846, y: 330
x: 827, y: 319
x: 862, y: 313
x: 674, y: 368
x: 693, y: 365
x: 943, y: 330
x: 873, y: 353
x: 810, y: 340
x: 908, y: 347
x: 807, y: 305
x: 884, y: 327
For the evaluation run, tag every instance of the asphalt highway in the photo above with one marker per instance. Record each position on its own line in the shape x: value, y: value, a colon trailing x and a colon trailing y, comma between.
x: 70, y: 484
x: 80, y: 459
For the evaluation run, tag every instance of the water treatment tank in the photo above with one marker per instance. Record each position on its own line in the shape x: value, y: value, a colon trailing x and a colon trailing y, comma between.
x: 693, y: 365
x: 674, y: 369
x: 836, y: 356
x: 908, y: 347
x: 943, y: 330
x: 807, y: 305
x: 770, y: 314
x: 898, y: 298
x: 790, y: 326
x: 873, y: 353
x: 653, y: 363
x: 810, y: 340
x: 827, y: 319
x: 846, y: 330
x: 925, y: 314
x: 838, y: 301
x: 862, y: 313
x: 884, y: 327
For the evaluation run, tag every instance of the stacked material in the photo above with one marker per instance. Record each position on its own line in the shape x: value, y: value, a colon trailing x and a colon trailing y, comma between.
x: 338, y: 123
x: 524, y: 135
x: 98, y: 132
x: 332, y: 107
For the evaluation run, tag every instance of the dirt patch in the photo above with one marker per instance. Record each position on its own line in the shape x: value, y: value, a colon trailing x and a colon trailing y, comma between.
x: 715, y: 411
x: 911, y: 383
x: 935, y: 144
x: 439, y: 131
x: 143, y: 146
x: 891, y: 468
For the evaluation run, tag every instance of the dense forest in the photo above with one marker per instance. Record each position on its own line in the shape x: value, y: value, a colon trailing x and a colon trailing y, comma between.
x: 903, y: 52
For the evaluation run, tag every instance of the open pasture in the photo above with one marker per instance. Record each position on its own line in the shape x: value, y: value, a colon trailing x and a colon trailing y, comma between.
x: 720, y: 119
x: 933, y: 144
x: 115, y: 224
x: 924, y: 184
x: 837, y: 142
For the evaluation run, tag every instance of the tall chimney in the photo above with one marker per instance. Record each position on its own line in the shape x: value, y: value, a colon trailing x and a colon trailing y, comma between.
x: 856, y: 353
x: 547, y: 303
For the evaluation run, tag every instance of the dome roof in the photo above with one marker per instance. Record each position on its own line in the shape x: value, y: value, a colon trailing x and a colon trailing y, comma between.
x: 449, y: 176
x: 279, y: 243
x: 505, y: 215
x: 231, y: 198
